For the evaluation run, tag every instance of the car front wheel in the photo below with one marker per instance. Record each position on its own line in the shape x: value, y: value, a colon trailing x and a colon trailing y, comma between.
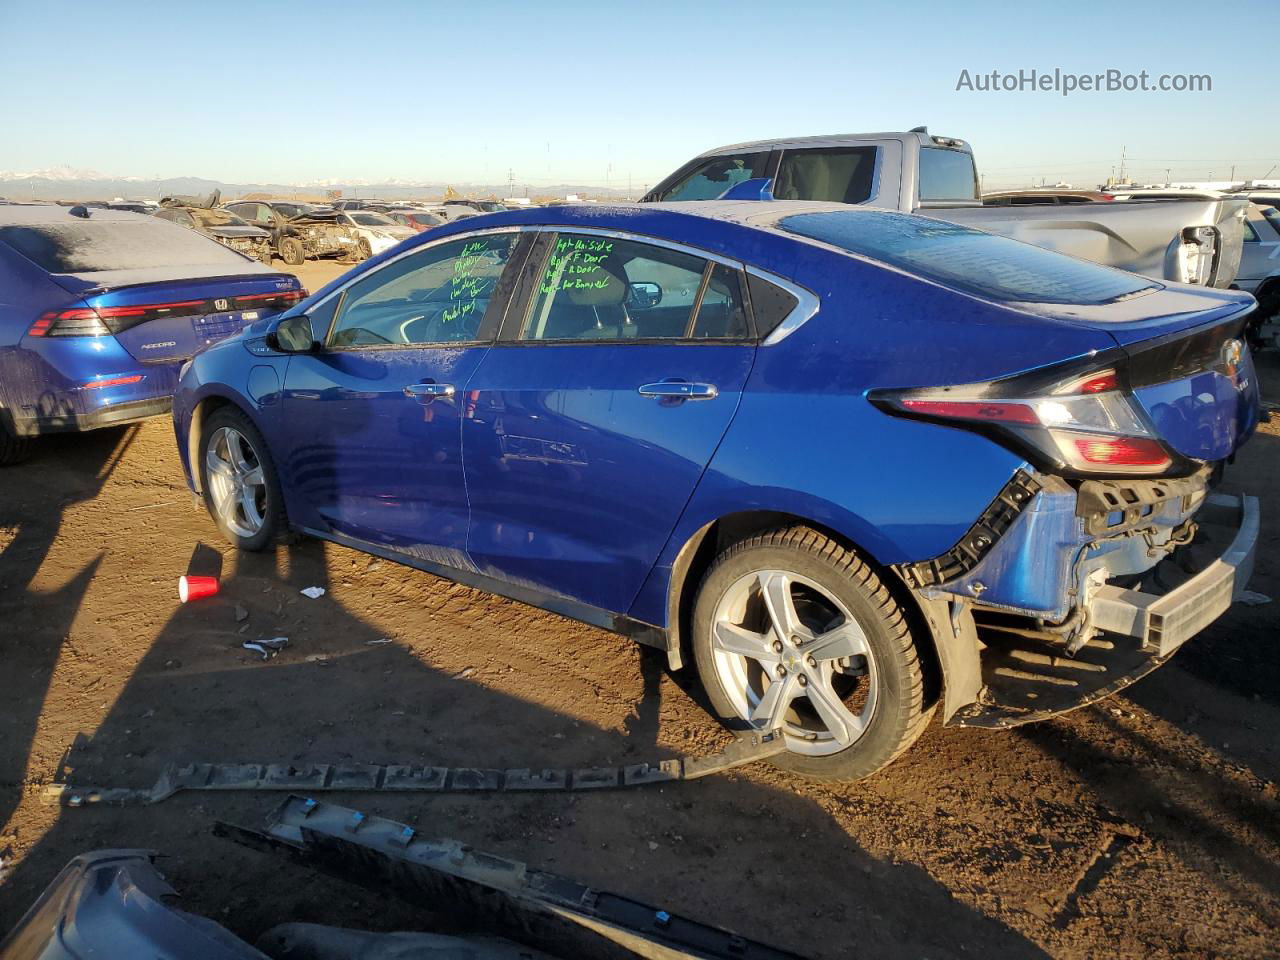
x: 793, y: 631
x: 241, y: 490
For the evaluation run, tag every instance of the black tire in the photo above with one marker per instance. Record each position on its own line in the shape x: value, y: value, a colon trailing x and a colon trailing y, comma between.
x: 365, y: 251
x: 13, y: 449
x: 275, y: 523
x: 900, y: 715
x: 291, y: 251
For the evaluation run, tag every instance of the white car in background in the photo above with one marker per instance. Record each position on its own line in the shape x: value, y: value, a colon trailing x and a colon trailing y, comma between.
x: 376, y: 231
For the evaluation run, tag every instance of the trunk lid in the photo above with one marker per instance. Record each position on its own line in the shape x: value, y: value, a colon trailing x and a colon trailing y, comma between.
x: 1189, y: 366
x: 165, y: 321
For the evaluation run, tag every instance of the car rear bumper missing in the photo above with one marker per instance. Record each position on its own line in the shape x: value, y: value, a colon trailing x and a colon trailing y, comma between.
x: 1162, y: 624
x: 1025, y: 679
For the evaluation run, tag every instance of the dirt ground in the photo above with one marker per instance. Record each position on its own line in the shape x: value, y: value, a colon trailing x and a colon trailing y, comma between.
x: 1146, y: 826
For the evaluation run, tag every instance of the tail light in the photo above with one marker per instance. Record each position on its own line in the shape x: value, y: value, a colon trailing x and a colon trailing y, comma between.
x: 1081, y: 424
x: 69, y: 323
x: 99, y: 321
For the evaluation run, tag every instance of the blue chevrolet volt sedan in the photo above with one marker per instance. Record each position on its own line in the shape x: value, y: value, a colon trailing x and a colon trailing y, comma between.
x: 859, y: 467
x: 100, y: 308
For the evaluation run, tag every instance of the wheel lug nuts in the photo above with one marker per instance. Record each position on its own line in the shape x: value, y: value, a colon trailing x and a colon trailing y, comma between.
x: 781, y: 671
x: 777, y: 646
x: 803, y: 680
x: 812, y: 662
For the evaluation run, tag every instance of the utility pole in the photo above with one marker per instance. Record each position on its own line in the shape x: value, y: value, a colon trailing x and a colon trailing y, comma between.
x: 511, y: 182
x: 1168, y: 180
x: 1123, y: 150
x: 1233, y: 173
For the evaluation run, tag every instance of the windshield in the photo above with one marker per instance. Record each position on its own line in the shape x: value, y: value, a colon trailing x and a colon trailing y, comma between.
x: 1272, y: 215
x: 372, y: 220
x: 291, y: 210
x: 996, y: 268
x: 91, y: 247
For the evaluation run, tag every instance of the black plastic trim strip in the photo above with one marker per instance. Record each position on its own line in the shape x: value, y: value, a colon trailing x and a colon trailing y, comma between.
x: 979, y: 539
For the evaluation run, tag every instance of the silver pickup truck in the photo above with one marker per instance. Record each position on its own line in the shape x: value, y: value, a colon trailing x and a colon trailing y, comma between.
x: 1189, y: 241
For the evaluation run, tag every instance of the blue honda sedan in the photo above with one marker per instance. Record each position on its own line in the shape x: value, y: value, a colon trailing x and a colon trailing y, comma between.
x: 860, y: 467
x: 99, y: 309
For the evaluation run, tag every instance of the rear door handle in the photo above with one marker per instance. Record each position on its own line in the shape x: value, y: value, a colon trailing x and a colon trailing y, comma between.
x: 429, y: 390
x: 679, y: 390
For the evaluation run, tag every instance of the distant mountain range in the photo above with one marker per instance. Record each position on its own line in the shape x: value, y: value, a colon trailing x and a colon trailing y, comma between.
x: 69, y: 183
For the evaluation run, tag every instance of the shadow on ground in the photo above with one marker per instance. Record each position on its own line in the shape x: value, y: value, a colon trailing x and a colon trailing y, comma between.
x: 198, y: 695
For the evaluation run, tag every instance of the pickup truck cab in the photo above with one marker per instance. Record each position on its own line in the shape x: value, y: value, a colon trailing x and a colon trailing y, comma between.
x: 1187, y: 241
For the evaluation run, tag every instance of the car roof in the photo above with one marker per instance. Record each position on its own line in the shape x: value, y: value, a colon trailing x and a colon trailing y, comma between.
x: 42, y: 213
x: 828, y: 140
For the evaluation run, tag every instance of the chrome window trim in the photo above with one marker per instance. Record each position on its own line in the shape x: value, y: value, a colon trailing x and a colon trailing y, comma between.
x: 807, y: 305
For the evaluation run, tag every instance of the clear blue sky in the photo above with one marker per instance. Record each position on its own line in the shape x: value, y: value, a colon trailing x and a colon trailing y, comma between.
x: 576, y: 91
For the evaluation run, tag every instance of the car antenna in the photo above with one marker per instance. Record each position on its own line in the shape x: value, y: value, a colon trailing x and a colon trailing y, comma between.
x: 79, y: 211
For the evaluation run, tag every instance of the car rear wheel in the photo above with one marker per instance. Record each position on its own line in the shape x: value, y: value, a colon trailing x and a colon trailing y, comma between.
x: 364, y: 249
x: 792, y: 630
x: 13, y: 449
x: 241, y: 489
x: 291, y: 251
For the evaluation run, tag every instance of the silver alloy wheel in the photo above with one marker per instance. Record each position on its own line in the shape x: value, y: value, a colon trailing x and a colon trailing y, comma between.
x: 788, y: 654
x: 237, y: 487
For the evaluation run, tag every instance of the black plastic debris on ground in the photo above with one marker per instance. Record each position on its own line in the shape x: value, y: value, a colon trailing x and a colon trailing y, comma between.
x: 490, y: 894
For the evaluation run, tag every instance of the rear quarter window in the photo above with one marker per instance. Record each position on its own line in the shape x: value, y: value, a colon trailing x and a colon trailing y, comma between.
x: 837, y: 174
x: 992, y: 267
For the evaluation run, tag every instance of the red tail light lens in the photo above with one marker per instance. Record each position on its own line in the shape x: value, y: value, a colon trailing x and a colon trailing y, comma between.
x: 969, y: 410
x: 1082, y: 424
x: 69, y: 323
x: 1121, y: 451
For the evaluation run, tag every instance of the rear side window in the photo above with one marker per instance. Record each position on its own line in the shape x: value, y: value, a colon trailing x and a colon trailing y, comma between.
x: 595, y: 288
x: 92, y: 247
x: 839, y: 174
x: 947, y: 175
x: 989, y: 266
x: 714, y: 176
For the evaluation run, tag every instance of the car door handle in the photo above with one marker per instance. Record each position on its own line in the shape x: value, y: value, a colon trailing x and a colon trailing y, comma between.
x: 429, y: 390
x: 679, y: 390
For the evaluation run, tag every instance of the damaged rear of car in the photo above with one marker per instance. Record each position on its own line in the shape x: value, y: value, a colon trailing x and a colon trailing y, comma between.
x: 1106, y: 550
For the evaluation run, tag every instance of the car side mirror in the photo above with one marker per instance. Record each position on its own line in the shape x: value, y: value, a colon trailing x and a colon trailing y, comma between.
x: 643, y: 295
x: 295, y: 335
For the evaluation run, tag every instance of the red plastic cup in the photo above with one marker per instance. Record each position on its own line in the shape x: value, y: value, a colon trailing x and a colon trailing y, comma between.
x: 193, y: 588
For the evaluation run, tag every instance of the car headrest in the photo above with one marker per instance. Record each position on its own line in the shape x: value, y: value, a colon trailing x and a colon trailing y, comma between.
x: 611, y: 294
